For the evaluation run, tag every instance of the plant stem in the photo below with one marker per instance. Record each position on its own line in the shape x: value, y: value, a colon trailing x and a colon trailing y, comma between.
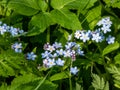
x: 70, y: 82
x: 48, y: 35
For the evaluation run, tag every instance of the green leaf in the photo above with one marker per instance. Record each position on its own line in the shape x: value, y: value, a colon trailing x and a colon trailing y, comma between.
x: 43, y: 5
x: 66, y: 19
x: 9, y: 63
x: 24, y: 7
x: 81, y: 4
x: 117, y: 59
x: 115, y: 71
x: 98, y: 82
x: 60, y: 76
x: 91, y: 16
x: 78, y: 87
x: 110, y: 48
x: 113, y: 3
x: 58, y: 4
x: 106, y: 86
x: 42, y: 20
x: 30, y: 82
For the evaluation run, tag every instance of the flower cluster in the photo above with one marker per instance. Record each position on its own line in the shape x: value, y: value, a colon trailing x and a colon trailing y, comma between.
x: 56, y: 54
x: 99, y: 34
x: 13, y: 31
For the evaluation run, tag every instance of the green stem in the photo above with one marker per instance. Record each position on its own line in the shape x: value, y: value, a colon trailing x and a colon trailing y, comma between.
x: 48, y: 30
x: 48, y: 35
x: 70, y: 82
x: 42, y: 81
x: 98, y: 71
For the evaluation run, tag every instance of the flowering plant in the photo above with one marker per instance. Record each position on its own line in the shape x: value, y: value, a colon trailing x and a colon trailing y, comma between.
x: 59, y: 45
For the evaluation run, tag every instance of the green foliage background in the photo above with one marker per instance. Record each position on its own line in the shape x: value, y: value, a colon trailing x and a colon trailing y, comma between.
x: 50, y: 21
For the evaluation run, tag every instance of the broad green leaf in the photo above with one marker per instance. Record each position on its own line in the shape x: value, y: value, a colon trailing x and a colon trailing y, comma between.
x: 117, y: 59
x: 98, y: 82
x: 91, y: 16
x: 58, y: 4
x: 60, y: 76
x: 25, y: 7
x: 81, y: 4
x: 43, y: 5
x: 42, y: 20
x: 110, y: 48
x: 66, y: 19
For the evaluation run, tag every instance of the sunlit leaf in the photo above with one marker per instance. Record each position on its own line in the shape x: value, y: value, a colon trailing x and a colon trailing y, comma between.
x: 110, y: 48
x: 60, y: 76
x: 25, y: 7
x: 66, y: 19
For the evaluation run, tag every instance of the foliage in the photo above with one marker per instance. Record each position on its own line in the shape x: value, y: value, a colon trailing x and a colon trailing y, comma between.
x: 59, y: 45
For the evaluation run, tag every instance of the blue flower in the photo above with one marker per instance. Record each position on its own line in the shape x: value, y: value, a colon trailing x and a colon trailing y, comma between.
x: 96, y: 37
x: 17, y: 47
x: 13, y: 31
x: 80, y: 52
x: 51, y: 63
x: 69, y: 45
x: 57, y: 45
x: 74, y: 70
x: 31, y: 56
x: 105, y: 29
x: 46, y: 54
x: 60, y: 62
x: 60, y: 52
x: 67, y: 53
x: 110, y: 39
x: 105, y: 21
x: 2, y: 30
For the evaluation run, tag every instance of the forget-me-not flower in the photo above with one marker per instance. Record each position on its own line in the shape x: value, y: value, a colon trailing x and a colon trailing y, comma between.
x: 60, y: 62
x: 74, y: 70
x: 110, y: 39
x: 17, y: 47
x: 31, y: 56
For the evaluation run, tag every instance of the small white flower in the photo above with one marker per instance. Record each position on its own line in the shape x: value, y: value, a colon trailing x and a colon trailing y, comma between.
x: 67, y: 53
x: 77, y: 34
x: 96, y: 37
x: 60, y: 62
x: 50, y: 48
x: 2, y: 30
x: 105, y: 29
x: 85, y: 37
x: 60, y: 52
x: 51, y: 63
